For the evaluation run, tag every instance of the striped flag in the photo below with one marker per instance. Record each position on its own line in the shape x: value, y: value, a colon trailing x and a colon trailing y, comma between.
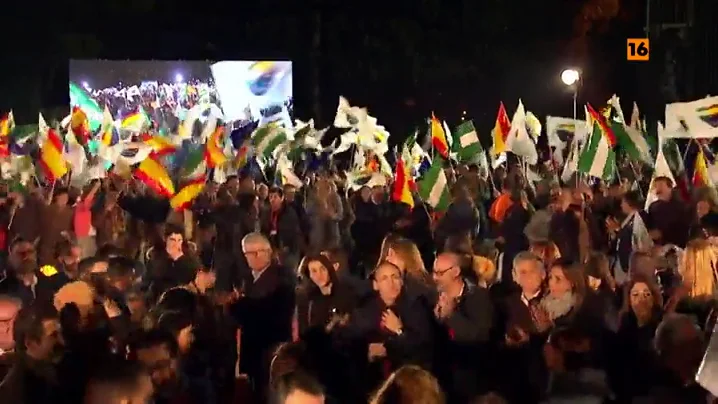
x: 434, y: 187
x: 189, y: 192
x: 155, y: 176
x: 701, y: 177
x: 135, y: 122
x: 598, y: 157
x: 195, y: 166
x: 438, y: 137
x: 52, y: 160
x: 267, y: 139
x: 501, y: 130
x: 160, y: 146
x: 401, y: 189
x: 467, y: 145
x: 213, y: 149
x: 80, y: 126
x: 110, y: 137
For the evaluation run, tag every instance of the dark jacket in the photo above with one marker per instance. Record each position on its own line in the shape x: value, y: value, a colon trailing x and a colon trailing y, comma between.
x: 30, y: 382
x: 413, y: 346
x: 283, y: 230
x: 264, y: 316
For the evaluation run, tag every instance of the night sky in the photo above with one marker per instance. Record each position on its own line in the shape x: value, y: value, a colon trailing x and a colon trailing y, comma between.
x: 402, y: 59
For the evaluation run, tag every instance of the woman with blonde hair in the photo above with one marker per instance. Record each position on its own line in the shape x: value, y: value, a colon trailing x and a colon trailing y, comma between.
x: 698, y: 270
x: 409, y: 384
x: 406, y: 256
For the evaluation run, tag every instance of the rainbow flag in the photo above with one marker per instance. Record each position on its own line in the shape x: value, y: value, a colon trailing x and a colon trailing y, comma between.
x: 52, y: 161
x: 155, y: 176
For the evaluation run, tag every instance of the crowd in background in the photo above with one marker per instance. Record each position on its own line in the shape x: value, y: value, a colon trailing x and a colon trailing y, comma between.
x: 519, y: 293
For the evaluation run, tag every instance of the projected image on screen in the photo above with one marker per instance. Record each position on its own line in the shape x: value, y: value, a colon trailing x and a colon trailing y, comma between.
x: 167, y: 90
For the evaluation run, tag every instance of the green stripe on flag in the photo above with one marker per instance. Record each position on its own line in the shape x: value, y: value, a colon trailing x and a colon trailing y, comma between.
x: 466, y: 142
x: 434, y: 187
x: 267, y: 139
x: 194, y: 166
x: 597, y: 157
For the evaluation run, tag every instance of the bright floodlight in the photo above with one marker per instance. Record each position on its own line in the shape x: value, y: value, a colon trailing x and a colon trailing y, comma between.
x: 179, y: 78
x: 569, y: 77
x: 85, y: 84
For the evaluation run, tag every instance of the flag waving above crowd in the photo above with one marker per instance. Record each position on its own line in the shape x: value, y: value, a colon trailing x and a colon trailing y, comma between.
x: 91, y: 143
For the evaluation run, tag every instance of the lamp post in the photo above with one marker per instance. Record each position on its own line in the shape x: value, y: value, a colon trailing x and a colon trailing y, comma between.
x: 571, y: 78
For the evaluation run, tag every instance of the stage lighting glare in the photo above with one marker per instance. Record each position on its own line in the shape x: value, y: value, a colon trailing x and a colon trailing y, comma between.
x: 569, y: 77
x: 179, y: 78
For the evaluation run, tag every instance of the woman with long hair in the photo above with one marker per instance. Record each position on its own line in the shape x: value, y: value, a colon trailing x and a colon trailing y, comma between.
x: 405, y: 255
x: 635, y: 358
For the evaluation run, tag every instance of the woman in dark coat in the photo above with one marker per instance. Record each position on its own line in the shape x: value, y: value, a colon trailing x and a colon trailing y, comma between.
x: 324, y: 303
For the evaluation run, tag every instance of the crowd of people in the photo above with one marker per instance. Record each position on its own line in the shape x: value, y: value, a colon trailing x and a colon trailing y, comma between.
x: 515, y: 294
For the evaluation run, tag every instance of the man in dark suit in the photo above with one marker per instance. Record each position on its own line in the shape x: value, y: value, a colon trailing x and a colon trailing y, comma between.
x: 264, y: 312
x: 280, y: 224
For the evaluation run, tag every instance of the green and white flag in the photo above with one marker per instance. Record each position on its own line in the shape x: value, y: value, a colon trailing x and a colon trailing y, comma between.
x: 434, y: 187
x: 195, y: 166
x: 466, y: 143
x: 267, y: 139
x: 597, y: 158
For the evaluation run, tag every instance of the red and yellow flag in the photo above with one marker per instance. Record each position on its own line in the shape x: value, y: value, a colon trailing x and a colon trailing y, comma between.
x: 155, y: 176
x: 701, y: 177
x: 501, y: 130
x: 602, y: 122
x: 184, y: 198
x: 52, y: 161
x: 213, y: 153
x: 438, y: 137
x: 402, y: 184
x: 160, y: 146
x: 80, y: 125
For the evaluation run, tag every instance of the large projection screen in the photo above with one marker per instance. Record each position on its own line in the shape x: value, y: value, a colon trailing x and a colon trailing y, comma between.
x: 238, y: 90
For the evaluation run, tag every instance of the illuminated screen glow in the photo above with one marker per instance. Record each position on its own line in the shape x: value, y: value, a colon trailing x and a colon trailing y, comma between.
x: 241, y: 90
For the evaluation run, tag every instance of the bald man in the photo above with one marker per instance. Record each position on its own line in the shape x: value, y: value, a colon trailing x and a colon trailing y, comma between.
x: 466, y: 312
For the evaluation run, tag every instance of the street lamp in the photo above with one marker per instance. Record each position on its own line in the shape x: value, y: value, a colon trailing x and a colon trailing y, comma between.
x: 572, y: 78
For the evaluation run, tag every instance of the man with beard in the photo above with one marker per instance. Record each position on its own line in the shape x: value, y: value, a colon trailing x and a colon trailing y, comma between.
x: 38, y: 343
x: 24, y: 282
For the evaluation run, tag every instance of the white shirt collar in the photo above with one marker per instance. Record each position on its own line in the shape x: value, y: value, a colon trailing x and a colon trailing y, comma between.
x: 526, y: 300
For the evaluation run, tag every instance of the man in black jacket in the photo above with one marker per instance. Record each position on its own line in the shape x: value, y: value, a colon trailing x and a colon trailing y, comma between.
x: 264, y: 312
x: 466, y: 313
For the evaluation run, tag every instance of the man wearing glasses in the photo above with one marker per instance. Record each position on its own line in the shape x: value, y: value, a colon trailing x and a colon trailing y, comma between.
x: 466, y: 313
x: 264, y: 312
